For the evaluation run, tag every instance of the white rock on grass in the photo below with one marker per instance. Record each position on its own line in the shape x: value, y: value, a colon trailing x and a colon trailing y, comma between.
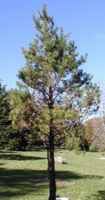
x: 60, y: 160
x: 102, y: 158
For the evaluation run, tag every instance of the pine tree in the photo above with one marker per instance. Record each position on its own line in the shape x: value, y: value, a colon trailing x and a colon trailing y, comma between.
x: 54, y: 77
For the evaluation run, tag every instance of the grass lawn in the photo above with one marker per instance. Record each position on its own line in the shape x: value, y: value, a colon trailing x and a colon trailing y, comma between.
x: 23, y: 176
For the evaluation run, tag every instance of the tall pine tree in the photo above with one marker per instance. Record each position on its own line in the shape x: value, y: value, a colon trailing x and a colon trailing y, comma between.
x: 54, y: 78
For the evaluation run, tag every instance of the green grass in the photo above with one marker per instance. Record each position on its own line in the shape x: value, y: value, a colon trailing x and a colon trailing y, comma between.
x: 23, y: 176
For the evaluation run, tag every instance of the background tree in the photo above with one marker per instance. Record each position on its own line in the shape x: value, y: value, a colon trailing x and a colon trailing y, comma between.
x: 54, y: 78
x: 89, y: 131
x: 97, y: 134
x: 5, y: 123
x: 24, y: 116
x: 31, y: 122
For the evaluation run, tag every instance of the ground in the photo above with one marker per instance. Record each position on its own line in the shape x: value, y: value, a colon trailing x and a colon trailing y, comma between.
x: 23, y: 176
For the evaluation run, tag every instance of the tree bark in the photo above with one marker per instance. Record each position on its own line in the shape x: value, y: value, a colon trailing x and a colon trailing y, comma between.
x: 51, y: 168
x: 50, y: 154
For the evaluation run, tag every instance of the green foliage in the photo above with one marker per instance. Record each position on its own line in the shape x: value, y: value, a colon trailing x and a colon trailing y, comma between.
x: 18, y: 100
x: 89, y: 131
x: 72, y: 143
x: 53, y: 73
x: 74, y: 137
x: 5, y: 123
x: 93, y: 148
x: 52, y: 60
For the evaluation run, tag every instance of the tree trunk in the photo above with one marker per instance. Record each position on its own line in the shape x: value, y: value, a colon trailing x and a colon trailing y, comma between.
x: 50, y: 154
x: 51, y: 168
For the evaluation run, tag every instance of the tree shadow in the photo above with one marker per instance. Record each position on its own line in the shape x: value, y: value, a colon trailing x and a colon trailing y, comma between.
x: 23, y: 181
x: 100, y: 195
x: 69, y: 176
x: 15, y: 156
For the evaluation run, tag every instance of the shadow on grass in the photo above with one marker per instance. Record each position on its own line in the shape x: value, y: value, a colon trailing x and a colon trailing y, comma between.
x: 15, y: 156
x: 21, y: 182
x: 100, y: 195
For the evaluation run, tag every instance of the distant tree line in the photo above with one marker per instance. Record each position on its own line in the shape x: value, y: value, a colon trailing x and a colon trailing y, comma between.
x: 24, y: 126
x: 21, y: 128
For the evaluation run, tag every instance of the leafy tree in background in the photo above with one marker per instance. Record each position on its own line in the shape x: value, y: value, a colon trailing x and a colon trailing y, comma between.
x: 24, y: 116
x: 27, y: 116
x: 5, y: 123
x: 89, y: 132
x: 54, y: 79
x: 95, y: 131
